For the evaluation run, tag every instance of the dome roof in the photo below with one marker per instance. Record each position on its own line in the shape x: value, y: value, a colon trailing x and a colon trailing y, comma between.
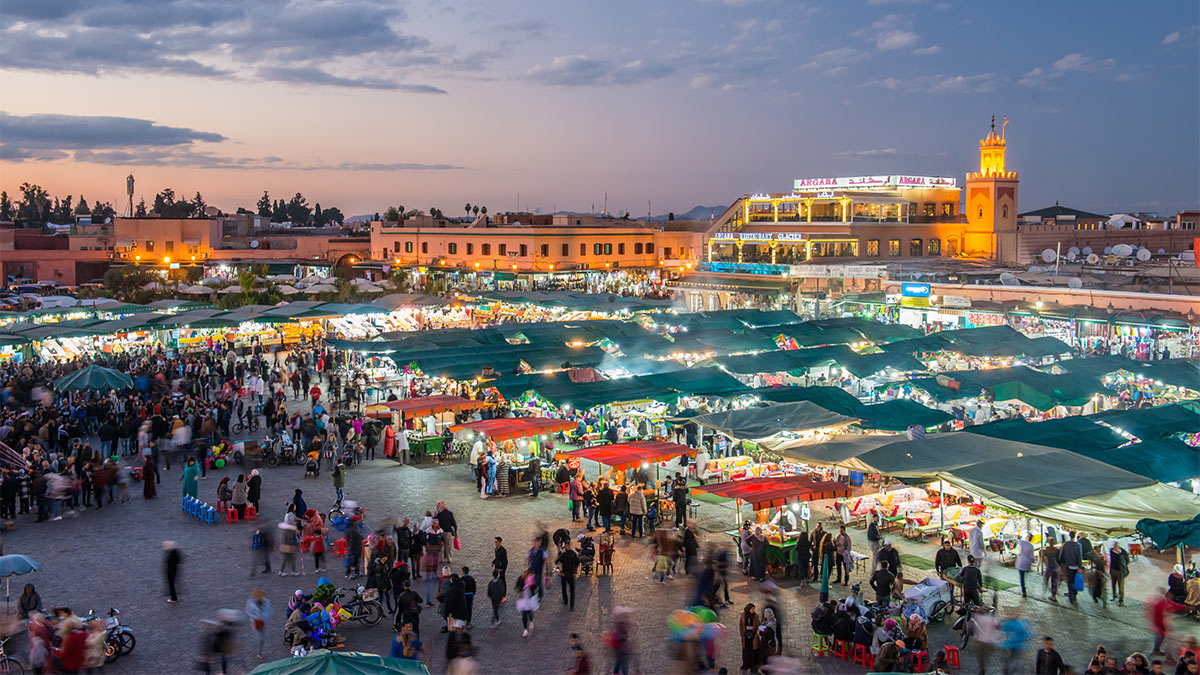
x: 992, y: 137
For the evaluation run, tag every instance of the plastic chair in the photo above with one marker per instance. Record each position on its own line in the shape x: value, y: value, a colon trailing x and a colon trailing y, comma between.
x: 231, y: 516
x: 841, y: 649
x: 952, y: 656
x: 251, y: 512
x: 222, y: 506
x: 863, y: 656
x: 340, y: 547
x: 820, y: 645
x: 186, y: 505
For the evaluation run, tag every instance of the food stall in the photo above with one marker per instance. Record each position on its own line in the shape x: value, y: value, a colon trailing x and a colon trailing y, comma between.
x: 519, y: 439
x: 425, y: 439
x: 764, y: 494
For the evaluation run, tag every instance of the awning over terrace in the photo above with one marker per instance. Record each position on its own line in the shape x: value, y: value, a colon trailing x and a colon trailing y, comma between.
x: 622, y: 456
x: 766, y: 493
x: 515, y: 427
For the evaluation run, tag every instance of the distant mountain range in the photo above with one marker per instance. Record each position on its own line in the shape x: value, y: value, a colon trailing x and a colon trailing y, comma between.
x: 696, y: 213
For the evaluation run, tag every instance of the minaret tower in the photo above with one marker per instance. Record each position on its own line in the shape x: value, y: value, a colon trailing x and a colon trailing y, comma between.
x: 992, y: 202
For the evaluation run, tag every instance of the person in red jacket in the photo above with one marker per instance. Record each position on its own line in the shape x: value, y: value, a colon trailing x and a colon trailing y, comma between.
x: 73, y: 648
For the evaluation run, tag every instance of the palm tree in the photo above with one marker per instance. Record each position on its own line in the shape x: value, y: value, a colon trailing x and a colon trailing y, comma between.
x: 468, y: 207
x: 476, y: 209
x: 484, y: 212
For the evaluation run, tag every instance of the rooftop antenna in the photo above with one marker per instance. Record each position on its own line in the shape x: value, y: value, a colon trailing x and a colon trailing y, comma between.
x: 605, y: 211
x: 129, y: 191
x: 1002, y: 125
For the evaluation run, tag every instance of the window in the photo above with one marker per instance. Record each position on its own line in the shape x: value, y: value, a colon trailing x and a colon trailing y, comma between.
x: 545, y: 250
x: 948, y: 209
x: 582, y: 249
x: 893, y: 247
x: 872, y: 248
x: 597, y: 249
x: 928, y: 210
x: 608, y: 249
x: 470, y: 249
x: 170, y: 246
x: 649, y: 249
x: 503, y: 249
x: 637, y: 248
x: 149, y: 246
x: 934, y: 247
x: 453, y: 248
x: 981, y: 212
x: 620, y: 249
x: 1004, y: 211
x: 486, y: 248
x: 396, y: 246
x: 408, y: 247
x: 566, y: 248
x: 914, y: 248
x: 424, y: 247
x: 524, y: 250
x: 667, y: 252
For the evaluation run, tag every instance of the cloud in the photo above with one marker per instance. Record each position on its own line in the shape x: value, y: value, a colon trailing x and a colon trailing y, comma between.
x: 578, y: 70
x: 928, y: 51
x: 834, y: 61
x: 890, y: 32
x: 941, y: 84
x: 1074, y: 62
x: 872, y: 153
x: 1172, y: 37
x: 317, y: 76
x: 127, y: 141
x: 301, y: 41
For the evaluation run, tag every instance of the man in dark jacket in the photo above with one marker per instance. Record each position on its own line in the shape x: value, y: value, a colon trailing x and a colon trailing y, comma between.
x: 873, y: 540
x: 604, y: 501
x: 972, y: 582
x: 500, y: 564
x: 456, y: 604
x: 408, y: 609
x: 946, y: 558
x: 1118, y: 569
x: 568, y: 565
x: 1048, y: 660
x: 881, y: 582
x: 889, y: 555
x: 495, y: 591
x: 534, y: 472
x: 469, y: 592
x: 1070, y: 559
x: 679, y: 496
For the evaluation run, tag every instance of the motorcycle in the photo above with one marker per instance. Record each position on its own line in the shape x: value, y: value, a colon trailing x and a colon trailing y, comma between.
x: 279, y: 449
x: 118, y: 640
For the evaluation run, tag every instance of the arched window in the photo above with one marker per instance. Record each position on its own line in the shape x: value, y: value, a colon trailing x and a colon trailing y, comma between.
x: 914, y: 248
x: 934, y: 247
x: 952, y: 246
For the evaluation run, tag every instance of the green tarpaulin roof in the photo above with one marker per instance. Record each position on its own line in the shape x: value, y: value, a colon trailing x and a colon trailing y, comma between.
x: 1066, y: 432
x: 586, y: 395
x: 697, y: 382
x: 1165, y: 459
x: 831, y: 398
x: 1157, y: 422
x: 899, y: 414
x: 986, y: 341
x: 768, y: 421
x: 1032, y: 387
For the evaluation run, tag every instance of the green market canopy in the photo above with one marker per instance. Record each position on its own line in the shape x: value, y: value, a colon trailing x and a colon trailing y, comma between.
x: 325, y: 662
x: 1052, y: 484
x: 1171, y: 533
x: 771, y: 420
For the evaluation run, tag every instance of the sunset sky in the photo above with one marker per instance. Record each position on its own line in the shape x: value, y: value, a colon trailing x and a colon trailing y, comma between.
x: 362, y: 104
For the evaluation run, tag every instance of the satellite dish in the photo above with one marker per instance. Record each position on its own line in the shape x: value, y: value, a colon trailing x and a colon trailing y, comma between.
x: 253, y: 243
x: 1087, y: 250
x: 1162, y: 251
x: 1143, y: 254
x: 1108, y: 250
x: 1074, y: 282
x: 1122, y: 250
x: 1049, y: 255
x: 1072, y: 254
x: 1073, y: 250
x: 1092, y: 259
x: 1007, y: 279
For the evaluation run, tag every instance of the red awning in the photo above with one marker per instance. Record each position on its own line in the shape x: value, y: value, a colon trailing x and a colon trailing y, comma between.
x: 621, y: 456
x: 771, y: 492
x: 426, y: 405
x: 515, y: 427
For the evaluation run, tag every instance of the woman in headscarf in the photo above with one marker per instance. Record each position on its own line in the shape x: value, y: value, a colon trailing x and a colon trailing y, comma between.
x: 767, y: 636
x: 802, y: 556
x: 917, y: 635
x: 758, y: 555
x: 191, y: 487
x: 748, y: 628
x: 149, y: 485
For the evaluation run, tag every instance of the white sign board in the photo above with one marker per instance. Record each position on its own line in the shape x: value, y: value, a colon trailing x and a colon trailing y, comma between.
x: 838, y: 271
x: 956, y: 301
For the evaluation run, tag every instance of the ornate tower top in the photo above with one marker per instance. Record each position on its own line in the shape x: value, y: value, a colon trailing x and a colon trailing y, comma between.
x: 991, y: 152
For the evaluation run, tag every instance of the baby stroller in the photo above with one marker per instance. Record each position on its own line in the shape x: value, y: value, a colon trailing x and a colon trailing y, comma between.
x: 587, y: 554
x: 312, y: 467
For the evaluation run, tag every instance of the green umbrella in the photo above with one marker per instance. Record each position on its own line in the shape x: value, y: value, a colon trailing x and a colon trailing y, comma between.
x: 325, y: 662
x: 94, y: 378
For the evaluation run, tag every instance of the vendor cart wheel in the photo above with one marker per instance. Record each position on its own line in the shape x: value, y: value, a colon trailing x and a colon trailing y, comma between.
x: 938, y: 613
x: 792, y: 571
x: 237, y: 458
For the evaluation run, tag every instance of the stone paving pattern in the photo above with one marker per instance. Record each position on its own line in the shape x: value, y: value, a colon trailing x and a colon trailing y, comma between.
x: 113, y: 558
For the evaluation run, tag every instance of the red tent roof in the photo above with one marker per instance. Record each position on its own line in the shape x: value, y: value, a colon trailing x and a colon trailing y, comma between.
x: 621, y: 456
x: 515, y: 427
x: 425, y: 405
x: 771, y: 492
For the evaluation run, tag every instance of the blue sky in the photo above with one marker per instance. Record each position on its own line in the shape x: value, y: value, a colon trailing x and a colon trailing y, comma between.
x: 365, y: 104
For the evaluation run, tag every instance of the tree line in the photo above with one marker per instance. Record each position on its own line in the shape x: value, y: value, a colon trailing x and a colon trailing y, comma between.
x: 36, y: 207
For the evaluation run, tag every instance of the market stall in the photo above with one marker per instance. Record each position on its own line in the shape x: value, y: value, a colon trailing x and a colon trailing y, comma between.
x: 764, y: 494
x: 517, y: 439
x: 421, y: 416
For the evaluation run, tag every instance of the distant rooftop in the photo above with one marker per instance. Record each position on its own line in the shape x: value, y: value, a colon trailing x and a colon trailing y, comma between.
x: 1057, y: 211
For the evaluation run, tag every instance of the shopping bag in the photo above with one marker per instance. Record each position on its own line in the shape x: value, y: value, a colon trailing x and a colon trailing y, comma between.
x: 1078, y: 581
x: 457, y: 545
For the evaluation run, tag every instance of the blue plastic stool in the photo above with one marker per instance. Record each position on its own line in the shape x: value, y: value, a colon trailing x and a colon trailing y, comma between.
x: 210, y: 516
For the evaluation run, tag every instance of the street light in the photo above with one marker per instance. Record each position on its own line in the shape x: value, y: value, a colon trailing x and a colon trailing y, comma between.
x: 166, y: 260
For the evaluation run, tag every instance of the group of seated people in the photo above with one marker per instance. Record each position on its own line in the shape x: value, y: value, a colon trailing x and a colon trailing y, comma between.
x: 891, y: 641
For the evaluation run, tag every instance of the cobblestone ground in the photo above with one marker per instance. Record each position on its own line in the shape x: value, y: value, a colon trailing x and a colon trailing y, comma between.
x: 113, y: 558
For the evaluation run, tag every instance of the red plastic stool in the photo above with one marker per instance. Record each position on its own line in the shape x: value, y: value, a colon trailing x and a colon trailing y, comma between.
x: 921, y: 661
x: 136, y: 472
x: 340, y: 547
x: 952, y: 658
x: 231, y: 516
x: 251, y: 512
x: 841, y: 649
x: 863, y: 656
x: 222, y: 506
